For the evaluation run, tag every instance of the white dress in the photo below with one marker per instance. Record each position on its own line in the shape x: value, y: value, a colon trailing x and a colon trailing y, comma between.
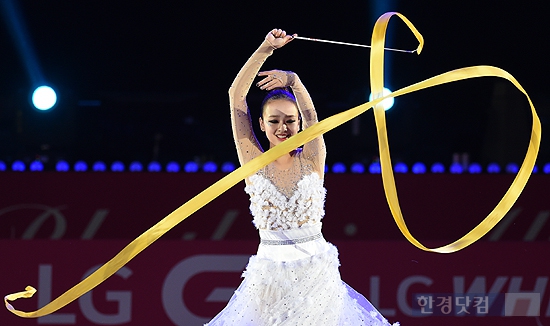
x: 293, y: 279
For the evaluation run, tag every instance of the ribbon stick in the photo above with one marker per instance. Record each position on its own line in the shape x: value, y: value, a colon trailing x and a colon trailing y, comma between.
x: 377, y: 83
x: 351, y: 44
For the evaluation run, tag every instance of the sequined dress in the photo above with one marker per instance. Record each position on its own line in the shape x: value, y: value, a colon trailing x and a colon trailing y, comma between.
x: 294, y: 278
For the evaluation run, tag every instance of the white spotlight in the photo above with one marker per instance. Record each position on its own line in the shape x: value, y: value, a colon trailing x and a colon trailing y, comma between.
x: 387, y: 103
x: 44, y: 98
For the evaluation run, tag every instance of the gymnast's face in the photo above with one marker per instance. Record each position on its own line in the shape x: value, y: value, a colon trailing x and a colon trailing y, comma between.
x: 280, y: 121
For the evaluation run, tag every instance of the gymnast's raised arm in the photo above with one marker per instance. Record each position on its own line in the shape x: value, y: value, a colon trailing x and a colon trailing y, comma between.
x: 245, y: 141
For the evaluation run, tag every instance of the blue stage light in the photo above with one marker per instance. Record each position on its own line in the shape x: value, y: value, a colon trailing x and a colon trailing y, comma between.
x: 173, y: 167
x: 535, y: 169
x: 228, y: 167
x: 80, y: 166
x: 209, y: 167
x: 135, y: 166
x: 546, y: 168
x: 512, y: 168
x: 493, y: 168
x: 18, y: 166
x: 438, y: 168
x: 374, y: 168
x: 154, y: 167
x: 117, y: 166
x: 191, y: 167
x: 357, y: 168
x: 474, y: 168
x: 99, y: 166
x: 2, y: 166
x: 36, y: 166
x: 44, y: 98
x: 401, y: 168
x: 419, y: 168
x: 338, y: 167
x: 62, y: 166
x: 456, y: 168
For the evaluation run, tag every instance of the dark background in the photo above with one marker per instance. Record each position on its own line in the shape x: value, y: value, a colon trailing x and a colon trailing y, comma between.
x: 160, y: 71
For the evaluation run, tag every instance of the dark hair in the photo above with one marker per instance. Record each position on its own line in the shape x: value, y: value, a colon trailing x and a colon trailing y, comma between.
x: 277, y: 94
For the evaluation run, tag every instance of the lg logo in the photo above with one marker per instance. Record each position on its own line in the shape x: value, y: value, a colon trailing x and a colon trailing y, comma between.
x: 123, y: 298
x: 172, y: 292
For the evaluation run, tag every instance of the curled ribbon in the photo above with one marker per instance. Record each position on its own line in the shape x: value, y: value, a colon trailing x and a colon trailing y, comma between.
x: 377, y: 83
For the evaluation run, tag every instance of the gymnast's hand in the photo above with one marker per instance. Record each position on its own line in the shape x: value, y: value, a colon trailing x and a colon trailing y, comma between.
x: 278, y: 38
x: 275, y: 79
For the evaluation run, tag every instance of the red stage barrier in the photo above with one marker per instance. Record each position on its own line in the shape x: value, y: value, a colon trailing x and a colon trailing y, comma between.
x: 185, y: 282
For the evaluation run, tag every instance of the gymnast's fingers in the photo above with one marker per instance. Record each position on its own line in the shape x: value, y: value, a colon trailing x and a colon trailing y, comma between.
x: 273, y: 83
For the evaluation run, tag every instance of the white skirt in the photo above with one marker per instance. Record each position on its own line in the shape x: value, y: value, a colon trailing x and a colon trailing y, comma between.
x: 294, y: 280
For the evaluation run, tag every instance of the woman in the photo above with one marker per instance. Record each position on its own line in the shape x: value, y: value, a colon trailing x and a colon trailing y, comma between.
x: 294, y: 278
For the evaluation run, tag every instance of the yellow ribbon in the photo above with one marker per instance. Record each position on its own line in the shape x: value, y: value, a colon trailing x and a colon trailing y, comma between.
x: 377, y: 82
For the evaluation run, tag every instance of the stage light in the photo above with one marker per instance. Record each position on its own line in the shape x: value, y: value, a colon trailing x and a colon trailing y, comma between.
x: 117, y: 166
x: 44, y: 98
x: 535, y: 169
x: 228, y: 167
x: 191, y: 167
x: 136, y: 166
x: 172, y: 167
x: 338, y: 167
x: 400, y: 168
x: 209, y: 167
x: 546, y: 168
x: 154, y: 167
x: 474, y: 168
x: 99, y: 166
x: 2, y: 166
x: 418, y: 168
x: 18, y: 166
x: 493, y: 168
x: 36, y: 166
x: 387, y: 103
x: 456, y: 168
x: 80, y: 166
x: 374, y: 168
x: 438, y: 168
x: 62, y: 166
x: 357, y: 168
x: 512, y: 168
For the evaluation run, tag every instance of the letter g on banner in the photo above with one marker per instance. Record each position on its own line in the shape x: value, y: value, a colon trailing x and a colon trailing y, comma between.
x: 174, y: 284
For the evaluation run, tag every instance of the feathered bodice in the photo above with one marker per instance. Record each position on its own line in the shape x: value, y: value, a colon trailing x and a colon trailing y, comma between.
x: 285, y: 206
